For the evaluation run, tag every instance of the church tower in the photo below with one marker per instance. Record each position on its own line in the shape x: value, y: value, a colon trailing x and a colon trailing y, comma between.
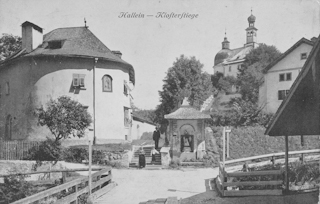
x: 251, y: 32
x: 225, y: 43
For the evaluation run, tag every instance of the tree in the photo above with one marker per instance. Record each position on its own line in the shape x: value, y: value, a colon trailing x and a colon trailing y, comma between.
x: 250, y: 76
x: 184, y: 79
x: 9, y: 44
x: 221, y: 83
x: 146, y: 114
x: 64, y: 117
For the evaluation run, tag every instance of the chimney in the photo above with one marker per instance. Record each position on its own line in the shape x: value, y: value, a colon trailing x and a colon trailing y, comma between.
x: 118, y: 53
x: 31, y: 36
x: 314, y: 39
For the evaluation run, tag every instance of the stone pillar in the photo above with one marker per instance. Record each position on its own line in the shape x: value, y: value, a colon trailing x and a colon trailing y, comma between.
x: 165, y: 157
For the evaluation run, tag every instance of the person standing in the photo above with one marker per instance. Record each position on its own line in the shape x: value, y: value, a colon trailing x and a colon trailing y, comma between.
x: 156, y: 137
x: 142, y: 158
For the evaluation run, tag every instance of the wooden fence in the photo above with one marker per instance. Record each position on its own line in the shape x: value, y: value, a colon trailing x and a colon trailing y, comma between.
x: 15, y: 150
x: 228, y: 179
x: 101, y: 184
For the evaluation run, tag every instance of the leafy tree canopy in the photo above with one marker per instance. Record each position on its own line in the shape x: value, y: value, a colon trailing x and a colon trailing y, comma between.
x: 9, y: 44
x: 184, y: 79
x: 250, y: 76
x: 64, y: 117
x: 146, y: 114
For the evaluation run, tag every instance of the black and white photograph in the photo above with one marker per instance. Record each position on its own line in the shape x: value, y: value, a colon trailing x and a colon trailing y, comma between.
x: 159, y: 101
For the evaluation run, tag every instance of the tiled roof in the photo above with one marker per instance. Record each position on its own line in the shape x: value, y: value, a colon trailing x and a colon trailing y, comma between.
x: 187, y: 112
x: 226, y: 56
x: 77, y: 42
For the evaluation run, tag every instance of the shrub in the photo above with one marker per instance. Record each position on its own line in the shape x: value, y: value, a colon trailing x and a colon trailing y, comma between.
x: 75, y: 154
x: 175, y: 163
x: 303, y: 172
x: 14, y: 188
x: 48, y: 150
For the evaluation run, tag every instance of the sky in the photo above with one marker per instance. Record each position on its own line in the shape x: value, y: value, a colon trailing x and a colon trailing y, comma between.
x: 151, y: 44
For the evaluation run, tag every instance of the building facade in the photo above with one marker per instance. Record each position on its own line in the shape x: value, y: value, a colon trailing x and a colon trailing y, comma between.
x: 282, y: 73
x: 227, y: 61
x: 71, y: 62
x: 141, y: 126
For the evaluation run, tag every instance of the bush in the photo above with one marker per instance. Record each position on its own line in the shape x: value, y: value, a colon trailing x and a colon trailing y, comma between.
x: 48, y: 150
x: 14, y: 188
x: 175, y: 163
x: 76, y: 155
x: 303, y: 172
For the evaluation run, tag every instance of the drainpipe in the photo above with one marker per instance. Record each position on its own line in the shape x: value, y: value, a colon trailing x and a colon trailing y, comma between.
x: 94, y: 100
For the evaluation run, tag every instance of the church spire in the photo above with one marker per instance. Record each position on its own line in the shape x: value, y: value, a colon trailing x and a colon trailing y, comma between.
x: 225, y: 43
x: 251, y: 31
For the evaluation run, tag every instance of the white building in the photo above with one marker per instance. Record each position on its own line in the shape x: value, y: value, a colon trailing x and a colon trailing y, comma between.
x: 66, y: 61
x: 282, y: 73
x: 227, y: 61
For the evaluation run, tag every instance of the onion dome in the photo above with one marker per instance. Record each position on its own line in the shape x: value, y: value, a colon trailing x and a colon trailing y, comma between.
x: 221, y: 56
x: 251, y: 19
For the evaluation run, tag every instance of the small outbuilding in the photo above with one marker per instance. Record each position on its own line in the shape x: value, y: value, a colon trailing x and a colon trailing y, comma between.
x: 299, y: 113
x: 186, y: 131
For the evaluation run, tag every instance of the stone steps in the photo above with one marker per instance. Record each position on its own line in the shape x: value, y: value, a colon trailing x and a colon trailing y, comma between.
x: 135, y: 160
x: 170, y: 200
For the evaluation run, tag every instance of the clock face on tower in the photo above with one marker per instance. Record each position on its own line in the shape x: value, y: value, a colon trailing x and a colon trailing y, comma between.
x: 107, y: 83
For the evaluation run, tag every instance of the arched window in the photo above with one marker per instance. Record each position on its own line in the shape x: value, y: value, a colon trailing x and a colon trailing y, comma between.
x: 8, y: 130
x: 107, y: 83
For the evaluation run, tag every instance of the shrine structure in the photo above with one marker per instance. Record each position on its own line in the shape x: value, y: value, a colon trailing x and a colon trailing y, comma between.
x: 187, y: 132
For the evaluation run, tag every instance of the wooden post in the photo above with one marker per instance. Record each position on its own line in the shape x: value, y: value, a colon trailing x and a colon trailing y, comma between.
x: 287, y: 163
x: 224, y: 146
x: 228, y: 130
x: 90, y: 166
x: 302, y: 158
x: 76, y: 191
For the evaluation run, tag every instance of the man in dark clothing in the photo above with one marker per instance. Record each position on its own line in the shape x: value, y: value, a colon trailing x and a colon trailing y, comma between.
x: 156, y: 137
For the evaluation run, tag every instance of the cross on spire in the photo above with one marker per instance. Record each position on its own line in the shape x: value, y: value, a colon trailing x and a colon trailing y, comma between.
x: 85, y: 23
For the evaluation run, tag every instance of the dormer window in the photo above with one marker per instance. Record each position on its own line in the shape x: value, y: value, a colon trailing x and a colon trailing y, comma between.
x: 55, y: 44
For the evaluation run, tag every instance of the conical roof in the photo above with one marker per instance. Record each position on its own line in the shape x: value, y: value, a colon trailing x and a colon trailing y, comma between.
x: 187, y: 112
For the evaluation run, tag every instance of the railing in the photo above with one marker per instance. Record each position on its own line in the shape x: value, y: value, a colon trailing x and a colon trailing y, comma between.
x: 15, y: 150
x: 228, y: 182
x: 101, y: 184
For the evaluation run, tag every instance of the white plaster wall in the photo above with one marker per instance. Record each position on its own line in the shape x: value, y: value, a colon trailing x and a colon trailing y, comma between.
x: 33, y: 82
x: 292, y: 63
x: 225, y: 69
x: 138, y: 128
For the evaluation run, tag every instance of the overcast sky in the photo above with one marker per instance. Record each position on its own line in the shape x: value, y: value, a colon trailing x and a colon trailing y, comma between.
x: 152, y: 44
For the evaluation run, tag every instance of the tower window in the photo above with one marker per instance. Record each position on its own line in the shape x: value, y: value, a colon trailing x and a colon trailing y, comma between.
x: 303, y: 55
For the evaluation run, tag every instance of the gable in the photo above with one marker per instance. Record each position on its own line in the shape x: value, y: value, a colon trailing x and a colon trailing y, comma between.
x: 299, y: 113
x: 292, y: 59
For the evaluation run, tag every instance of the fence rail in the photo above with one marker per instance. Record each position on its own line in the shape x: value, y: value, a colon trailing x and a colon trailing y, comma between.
x: 15, y: 150
x: 228, y: 184
x: 101, y: 184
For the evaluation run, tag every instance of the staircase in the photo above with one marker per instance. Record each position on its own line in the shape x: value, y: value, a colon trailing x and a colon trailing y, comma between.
x: 135, y: 160
x: 170, y: 200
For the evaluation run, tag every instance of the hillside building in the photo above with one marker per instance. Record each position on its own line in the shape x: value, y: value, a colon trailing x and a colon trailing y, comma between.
x: 228, y: 61
x: 282, y: 73
x: 66, y: 61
